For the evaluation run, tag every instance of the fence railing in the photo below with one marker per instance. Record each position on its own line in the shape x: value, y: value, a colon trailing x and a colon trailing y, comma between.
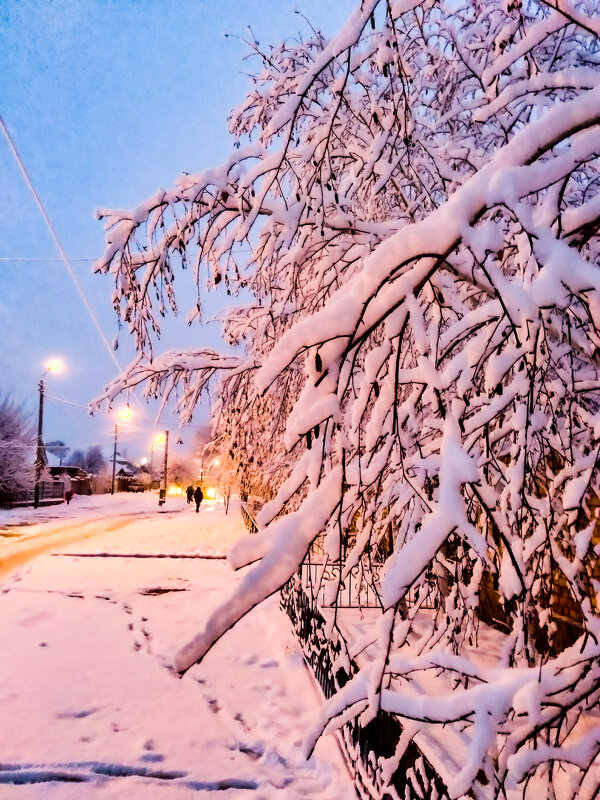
x: 328, y: 584
x: 248, y: 518
x: 367, y: 748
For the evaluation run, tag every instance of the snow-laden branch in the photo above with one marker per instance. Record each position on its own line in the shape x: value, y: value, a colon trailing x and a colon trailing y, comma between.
x: 413, y: 211
x: 274, y: 569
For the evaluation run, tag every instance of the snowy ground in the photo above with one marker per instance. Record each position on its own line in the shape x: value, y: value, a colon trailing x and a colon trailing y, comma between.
x: 94, y: 599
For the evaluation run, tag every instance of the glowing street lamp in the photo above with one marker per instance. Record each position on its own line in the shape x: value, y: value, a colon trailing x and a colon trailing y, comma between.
x: 52, y: 366
x: 124, y: 413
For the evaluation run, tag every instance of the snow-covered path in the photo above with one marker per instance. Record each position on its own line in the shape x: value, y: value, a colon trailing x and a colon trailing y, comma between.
x: 88, y: 708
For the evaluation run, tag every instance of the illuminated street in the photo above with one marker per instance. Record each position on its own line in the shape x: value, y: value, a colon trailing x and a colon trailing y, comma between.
x: 92, y: 607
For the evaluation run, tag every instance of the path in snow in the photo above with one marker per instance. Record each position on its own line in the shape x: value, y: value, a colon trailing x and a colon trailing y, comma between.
x: 87, y: 707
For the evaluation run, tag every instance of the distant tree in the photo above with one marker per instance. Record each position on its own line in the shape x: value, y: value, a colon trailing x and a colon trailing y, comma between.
x: 91, y: 461
x: 420, y: 196
x: 95, y: 463
x: 17, y: 450
x: 77, y: 459
x: 58, y: 448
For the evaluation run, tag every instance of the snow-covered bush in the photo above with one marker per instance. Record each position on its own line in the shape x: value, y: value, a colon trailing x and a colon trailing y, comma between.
x: 17, y: 450
x: 421, y: 200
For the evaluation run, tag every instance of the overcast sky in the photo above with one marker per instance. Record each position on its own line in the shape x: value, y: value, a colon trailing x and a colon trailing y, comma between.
x: 106, y: 101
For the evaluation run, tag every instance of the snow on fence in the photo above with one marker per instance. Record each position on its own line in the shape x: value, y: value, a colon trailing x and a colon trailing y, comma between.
x: 379, y: 767
x: 326, y: 584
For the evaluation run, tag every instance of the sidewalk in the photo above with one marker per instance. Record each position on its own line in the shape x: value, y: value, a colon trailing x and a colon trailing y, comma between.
x: 87, y: 707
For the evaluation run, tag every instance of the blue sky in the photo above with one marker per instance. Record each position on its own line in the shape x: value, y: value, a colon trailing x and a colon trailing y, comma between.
x: 106, y: 101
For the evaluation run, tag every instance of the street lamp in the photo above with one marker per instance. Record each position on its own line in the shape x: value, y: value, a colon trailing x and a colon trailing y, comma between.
x: 124, y: 413
x: 52, y: 366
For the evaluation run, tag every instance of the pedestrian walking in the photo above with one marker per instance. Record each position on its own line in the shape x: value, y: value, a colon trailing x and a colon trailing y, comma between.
x: 189, y: 493
x: 198, y: 497
x: 67, y: 487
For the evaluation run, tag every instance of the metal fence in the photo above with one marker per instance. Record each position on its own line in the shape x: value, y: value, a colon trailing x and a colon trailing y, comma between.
x: 366, y: 748
x: 248, y: 518
x: 329, y: 584
x: 318, y: 584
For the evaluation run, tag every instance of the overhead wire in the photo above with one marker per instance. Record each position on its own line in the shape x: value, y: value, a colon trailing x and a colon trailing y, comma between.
x: 57, y: 242
x: 67, y: 262
x: 146, y: 420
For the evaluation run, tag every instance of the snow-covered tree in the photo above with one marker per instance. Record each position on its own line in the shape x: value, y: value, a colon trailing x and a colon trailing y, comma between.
x: 420, y: 196
x: 17, y: 450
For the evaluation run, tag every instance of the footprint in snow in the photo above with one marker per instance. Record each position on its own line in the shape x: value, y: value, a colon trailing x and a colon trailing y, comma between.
x: 213, y: 704
x: 253, y: 751
x: 87, y: 712
x: 239, y: 718
x: 152, y: 758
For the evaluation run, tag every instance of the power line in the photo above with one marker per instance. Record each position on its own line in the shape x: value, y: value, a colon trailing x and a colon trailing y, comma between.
x: 57, y: 242
x: 146, y: 420
x: 45, y: 260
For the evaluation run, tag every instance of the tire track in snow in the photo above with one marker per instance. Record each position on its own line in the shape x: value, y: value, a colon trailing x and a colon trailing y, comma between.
x: 23, y: 550
x: 99, y: 771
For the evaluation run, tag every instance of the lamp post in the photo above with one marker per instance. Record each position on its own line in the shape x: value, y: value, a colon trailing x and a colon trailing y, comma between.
x: 125, y: 413
x: 162, y: 494
x: 53, y: 366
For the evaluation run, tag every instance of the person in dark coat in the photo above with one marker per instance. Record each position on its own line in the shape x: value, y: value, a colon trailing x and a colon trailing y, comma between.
x: 198, y: 497
x: 190, y: 493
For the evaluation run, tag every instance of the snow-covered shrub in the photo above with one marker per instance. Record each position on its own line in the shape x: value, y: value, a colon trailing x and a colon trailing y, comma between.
x: 421, y: 200
x: 17, y: 450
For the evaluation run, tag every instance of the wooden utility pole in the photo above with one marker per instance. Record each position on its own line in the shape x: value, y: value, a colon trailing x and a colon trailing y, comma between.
x: 39, y: 461
x: 112, y: 488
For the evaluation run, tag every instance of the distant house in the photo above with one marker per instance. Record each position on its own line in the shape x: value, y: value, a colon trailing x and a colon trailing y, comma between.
x: 126, y: 476
x: 80, y: 480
